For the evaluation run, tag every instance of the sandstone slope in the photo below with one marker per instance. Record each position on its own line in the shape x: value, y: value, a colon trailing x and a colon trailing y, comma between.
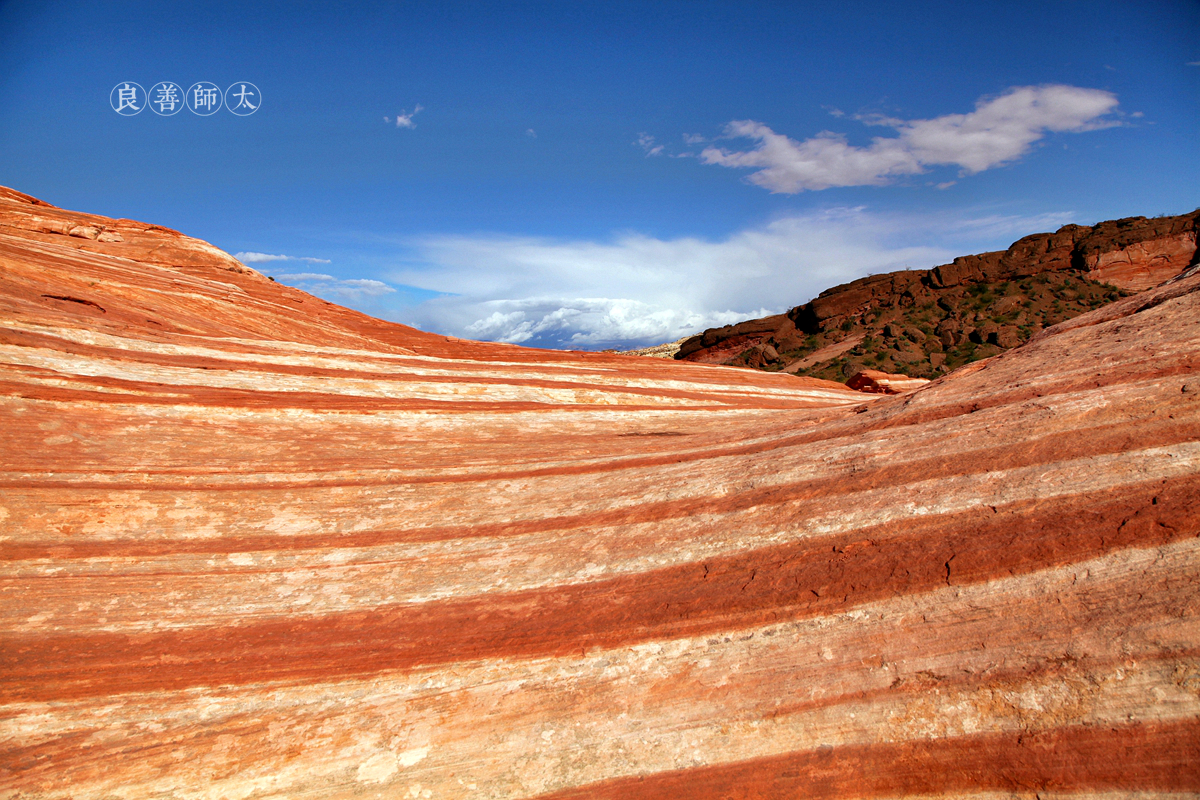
x: 255, y: 545
x: 925, y: 323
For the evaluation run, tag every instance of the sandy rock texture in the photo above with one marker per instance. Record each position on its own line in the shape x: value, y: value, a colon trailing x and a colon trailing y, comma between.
x: 256, y: 545
x: 667, y: 350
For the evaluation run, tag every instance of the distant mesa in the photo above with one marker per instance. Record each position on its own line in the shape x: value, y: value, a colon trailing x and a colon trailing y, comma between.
x: 926, y: 323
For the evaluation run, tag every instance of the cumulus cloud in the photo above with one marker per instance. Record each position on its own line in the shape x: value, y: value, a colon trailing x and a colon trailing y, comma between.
x: 584, y: 322
x: 327, y: 285
x: 262, y: 258
x: 1000, y: 130
x: 636, y: 290
x: 405, y: 120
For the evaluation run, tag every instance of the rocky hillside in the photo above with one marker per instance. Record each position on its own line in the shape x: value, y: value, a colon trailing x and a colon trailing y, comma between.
x: 925, y: 323
x: 254, y: 545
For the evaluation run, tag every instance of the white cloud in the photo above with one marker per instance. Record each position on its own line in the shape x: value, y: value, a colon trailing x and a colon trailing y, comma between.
x: 1007, y: 227
x: 693, y: 138
x: 636, y: 289
x: 531, y: 133
x: 1193, y: 63
x: 646, y: 142
x: 580, y: 323
x: 999, y: 130
x: 305, y: 276
x: 262, y: 258
x: 405, y: 120
x: 322, y: 284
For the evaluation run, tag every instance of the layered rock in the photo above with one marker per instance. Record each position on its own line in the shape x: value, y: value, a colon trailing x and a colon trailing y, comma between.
x: 926, y: 322
x: 255, y: 545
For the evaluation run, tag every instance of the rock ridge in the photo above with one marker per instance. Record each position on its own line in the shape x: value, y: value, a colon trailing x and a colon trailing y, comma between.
x: 925, y: 323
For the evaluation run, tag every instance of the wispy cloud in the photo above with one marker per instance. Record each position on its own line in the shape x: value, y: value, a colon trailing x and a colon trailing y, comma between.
x: 405, y: 119
x: 328, y: 285
x: 636, y: 289
x: 262, y: 258
x: 1000, y: 130
x: 531, y: 133
x: 647, y: 143
x: 1007, y: 227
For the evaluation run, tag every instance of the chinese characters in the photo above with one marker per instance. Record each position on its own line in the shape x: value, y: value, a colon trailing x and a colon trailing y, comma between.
x: 168, y: 98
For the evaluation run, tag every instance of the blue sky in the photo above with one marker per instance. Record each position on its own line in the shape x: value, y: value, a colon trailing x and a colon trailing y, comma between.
x: 592, y: 175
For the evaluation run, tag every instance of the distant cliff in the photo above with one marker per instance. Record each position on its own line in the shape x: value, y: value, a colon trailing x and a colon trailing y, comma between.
x: 924, y: 323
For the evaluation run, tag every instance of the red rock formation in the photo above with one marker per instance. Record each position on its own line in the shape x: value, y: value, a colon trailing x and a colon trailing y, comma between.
x: 255, y: 545
x: 1132, y: 254
x: 1142, y: 265
x: 873, y: 381
x: 718, y: 345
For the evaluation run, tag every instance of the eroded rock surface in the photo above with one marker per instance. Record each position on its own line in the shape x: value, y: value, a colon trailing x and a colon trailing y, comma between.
x: 256, y: 545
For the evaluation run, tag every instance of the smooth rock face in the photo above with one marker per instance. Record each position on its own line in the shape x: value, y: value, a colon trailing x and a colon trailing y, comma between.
x: 256, y: 545
x: 1142, y: 265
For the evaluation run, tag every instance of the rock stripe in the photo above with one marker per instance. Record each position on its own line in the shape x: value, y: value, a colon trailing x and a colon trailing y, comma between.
x: 788, y: 582
x: 1141, y: 756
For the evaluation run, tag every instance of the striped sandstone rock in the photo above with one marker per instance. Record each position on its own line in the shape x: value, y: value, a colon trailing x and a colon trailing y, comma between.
x: 257, y: 545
